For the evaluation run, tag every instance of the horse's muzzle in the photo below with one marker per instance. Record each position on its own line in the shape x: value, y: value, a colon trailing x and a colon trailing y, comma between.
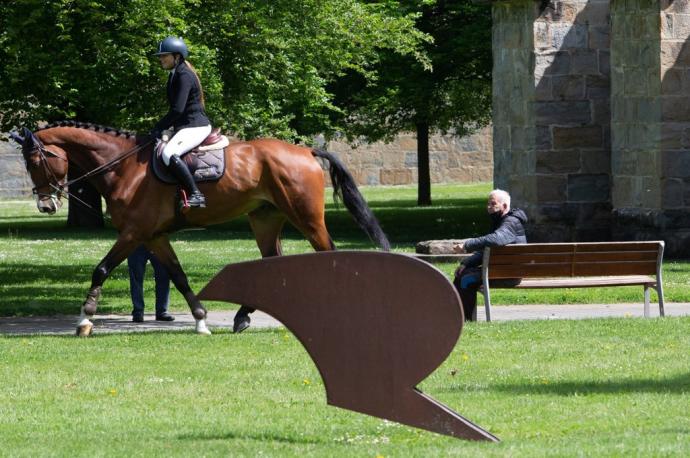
x: 48, y: 205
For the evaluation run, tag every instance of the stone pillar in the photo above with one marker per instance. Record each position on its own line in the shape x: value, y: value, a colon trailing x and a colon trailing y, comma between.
x: 552, y: 116
x: 651, y: 121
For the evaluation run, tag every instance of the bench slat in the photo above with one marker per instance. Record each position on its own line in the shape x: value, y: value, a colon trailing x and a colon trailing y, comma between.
x: 576, y: 247
x: 524, y: 258
x: 582, y: 282
x: 565, y: 269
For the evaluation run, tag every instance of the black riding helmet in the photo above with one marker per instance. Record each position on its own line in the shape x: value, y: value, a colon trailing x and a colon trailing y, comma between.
x: 172, y: 45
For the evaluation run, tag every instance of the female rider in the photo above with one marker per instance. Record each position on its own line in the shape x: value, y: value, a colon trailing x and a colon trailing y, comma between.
x: 186, y: 114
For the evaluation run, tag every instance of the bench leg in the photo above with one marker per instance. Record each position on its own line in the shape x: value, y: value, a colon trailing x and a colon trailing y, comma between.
x: 487, y: 303
x: 660, y: 293
x: 646, y: 301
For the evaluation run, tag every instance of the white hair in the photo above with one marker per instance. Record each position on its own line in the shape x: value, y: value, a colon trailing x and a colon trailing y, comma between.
x: 501, y: 195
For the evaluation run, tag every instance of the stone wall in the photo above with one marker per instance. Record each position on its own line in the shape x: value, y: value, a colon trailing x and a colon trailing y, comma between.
x: 451, y: 159
x: 651, y: 114
x: 14, y: 181
x: 551, y: 115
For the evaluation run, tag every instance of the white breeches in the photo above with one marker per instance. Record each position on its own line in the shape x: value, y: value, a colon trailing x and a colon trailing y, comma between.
x: 184, y: 140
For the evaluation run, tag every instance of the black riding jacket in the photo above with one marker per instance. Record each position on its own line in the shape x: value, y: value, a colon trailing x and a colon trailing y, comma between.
x: 184, y: 96
x: 510, y: 229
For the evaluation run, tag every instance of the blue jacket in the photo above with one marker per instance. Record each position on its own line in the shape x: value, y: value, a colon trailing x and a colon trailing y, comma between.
x: 510, y: 229
x: 184, y: 97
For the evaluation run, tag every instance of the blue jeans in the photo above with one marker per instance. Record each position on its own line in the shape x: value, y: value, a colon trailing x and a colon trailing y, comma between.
x: 137, y: 268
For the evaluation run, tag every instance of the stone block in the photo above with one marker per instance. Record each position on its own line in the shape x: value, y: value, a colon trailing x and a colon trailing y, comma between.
x: 598, y: 86
x: 599, y: 37
x: 672, y: 82
x: 543, y: 89
x: 436, y: 246
x: 584, y: 62
x: 588, y: 188
x: 551, y: 188
x: 672, y: 135
x: 553, y: 63
x: 568, y: 87
x: 563, y: 113
x: 666, y: 25
x: 675, y: 164
x: 681, y: 26
x: 411, y: 159
x: 566, y: 213
x: 596, y: 161
x: 672, y: 190
x: 604, y: 62
x: 577, y: 137
x: 675, y: 109
x: 543, y: 139
x: 395, y: 176
x: 558, y: 161
x: 651, y: 192
x: 568, y: 36
x: 594, y: 13
x: 601, y: 111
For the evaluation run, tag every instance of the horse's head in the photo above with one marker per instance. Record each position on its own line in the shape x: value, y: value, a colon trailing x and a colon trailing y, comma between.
x: 47, y: 167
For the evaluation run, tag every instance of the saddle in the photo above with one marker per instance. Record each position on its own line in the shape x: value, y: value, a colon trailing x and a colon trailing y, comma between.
x: 206, y: 162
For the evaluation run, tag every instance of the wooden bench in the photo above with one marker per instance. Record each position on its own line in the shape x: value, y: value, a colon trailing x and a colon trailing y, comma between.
x: 575, y: 265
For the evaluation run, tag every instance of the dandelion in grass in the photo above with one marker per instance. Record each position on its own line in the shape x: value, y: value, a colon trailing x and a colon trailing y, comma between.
x: 306, y: 382
x: 112, y: 392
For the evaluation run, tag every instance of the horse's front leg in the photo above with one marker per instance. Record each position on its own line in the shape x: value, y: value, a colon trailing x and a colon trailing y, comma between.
x: 114, y: 258
x: 162, y: 249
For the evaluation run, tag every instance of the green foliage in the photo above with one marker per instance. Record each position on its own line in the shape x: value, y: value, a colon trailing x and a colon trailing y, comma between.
x: 265, y: 65
x: 453, y: 94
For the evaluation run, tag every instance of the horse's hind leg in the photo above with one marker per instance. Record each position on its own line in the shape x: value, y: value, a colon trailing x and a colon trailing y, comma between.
x: 267, y: 224
x: 166, y: 255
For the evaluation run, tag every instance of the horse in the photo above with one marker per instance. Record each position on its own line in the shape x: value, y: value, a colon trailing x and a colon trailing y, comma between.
x: 270, y: 180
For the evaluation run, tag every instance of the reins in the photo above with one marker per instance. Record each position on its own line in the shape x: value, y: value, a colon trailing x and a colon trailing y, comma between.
x: 109, y: 164
x: 60, y: 188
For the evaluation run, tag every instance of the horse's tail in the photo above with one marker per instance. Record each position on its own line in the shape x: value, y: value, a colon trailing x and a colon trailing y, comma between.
x: 344, y: 187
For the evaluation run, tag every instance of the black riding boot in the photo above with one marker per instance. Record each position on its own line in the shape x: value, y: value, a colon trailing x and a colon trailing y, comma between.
x: 180, y: 170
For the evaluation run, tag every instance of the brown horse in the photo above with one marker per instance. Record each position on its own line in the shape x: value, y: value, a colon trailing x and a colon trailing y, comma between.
x: 269, y: 180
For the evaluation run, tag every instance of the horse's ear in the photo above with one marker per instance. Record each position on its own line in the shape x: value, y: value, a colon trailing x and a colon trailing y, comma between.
x: 30, y: 139
x: 17, y: 138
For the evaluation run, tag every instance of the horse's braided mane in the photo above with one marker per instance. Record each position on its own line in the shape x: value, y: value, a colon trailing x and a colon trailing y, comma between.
x: 91, y: 126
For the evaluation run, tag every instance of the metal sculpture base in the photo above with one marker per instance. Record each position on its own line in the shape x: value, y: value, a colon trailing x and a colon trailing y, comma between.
x: 375, y: 324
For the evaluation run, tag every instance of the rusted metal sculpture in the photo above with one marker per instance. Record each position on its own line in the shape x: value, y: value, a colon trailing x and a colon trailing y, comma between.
x: 375, y: 324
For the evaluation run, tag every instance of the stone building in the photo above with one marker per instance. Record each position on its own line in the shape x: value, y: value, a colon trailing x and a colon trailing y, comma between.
x: 592, y: 117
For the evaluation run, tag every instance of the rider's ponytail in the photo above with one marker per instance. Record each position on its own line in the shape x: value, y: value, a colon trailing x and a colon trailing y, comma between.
x: 196, y: 75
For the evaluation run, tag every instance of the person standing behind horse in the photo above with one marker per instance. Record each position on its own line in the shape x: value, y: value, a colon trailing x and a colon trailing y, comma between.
x: 186, y: 115
x: 507, y: 227
x: 137, y: 270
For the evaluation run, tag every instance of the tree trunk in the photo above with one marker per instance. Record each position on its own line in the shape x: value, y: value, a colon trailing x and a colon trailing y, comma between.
x: 79, y: 214
x: 423, y: 175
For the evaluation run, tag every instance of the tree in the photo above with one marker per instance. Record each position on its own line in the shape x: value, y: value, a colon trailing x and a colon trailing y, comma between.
x: 453, y: 95
x: 265, y: 66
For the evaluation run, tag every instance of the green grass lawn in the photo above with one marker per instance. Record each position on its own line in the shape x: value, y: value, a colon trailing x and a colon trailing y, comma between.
x: 606, y: 387
x: 46, y: 268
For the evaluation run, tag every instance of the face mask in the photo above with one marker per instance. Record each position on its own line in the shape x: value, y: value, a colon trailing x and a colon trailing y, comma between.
x: 496, y: 218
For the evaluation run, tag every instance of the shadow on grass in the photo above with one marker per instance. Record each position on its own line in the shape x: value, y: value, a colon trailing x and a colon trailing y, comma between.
x: 402, y: 220
x: 680, y: 384
x: 259, y: 437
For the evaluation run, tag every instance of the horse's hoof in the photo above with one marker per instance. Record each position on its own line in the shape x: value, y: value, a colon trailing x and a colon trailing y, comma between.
x: 84, y: 330
x: 202, y: 329
x: 240, y: 324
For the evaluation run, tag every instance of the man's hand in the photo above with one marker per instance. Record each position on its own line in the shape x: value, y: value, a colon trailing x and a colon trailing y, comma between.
x: 459, y: 247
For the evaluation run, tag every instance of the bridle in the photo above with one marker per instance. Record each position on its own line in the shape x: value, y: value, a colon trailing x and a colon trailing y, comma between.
x: 53, y: 182
x: 61, y: 188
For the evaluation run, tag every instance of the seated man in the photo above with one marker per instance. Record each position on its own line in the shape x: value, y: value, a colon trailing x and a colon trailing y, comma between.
x: 507, y: 228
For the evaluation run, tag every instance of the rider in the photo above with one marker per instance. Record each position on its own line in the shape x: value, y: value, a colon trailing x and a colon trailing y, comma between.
x: 186, y: 114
